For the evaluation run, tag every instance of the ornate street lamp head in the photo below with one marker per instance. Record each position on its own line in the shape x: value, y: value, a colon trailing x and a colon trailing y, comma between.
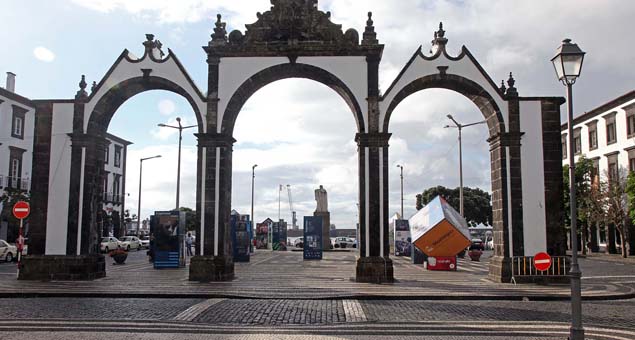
x: 568, y: 62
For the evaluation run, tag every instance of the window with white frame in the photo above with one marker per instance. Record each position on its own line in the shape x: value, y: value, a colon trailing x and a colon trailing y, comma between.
x: 17, y: 122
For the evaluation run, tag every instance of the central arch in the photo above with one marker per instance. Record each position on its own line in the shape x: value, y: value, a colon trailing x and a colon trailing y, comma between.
x: 286, y: 71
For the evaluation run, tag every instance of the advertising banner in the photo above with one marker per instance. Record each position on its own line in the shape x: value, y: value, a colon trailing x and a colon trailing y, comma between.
x: 279, y: 235
x: 262, y: 235
x: 402, y: 238
x: 312, y: 237
x: 240, y: 237
x: 166, y: 229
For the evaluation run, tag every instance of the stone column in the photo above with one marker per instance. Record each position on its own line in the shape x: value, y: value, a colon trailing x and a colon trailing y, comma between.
x: 374, y: 264
x: 214, y: 262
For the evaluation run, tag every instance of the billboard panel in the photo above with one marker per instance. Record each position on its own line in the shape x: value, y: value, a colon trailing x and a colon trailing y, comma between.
x: 402, y: 238
x: 312, y: 238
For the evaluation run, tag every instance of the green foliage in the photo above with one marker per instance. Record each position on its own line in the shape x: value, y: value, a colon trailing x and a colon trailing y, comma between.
x: 191, y: 222
x: 630, y: 192
x: 477, y: 204
x: 583, y: 172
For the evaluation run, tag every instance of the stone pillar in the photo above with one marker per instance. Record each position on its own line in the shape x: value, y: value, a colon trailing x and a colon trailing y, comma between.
x: 374, y: 264
x: 499, y: 268
x: 326, y: 231
x: 552, y: 165
x: 214, y: 262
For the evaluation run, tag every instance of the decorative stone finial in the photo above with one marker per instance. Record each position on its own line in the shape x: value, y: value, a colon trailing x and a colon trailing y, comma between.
x: 93, y: 87
x: 439, y: 40
x: 502, y: 87
x: 219, y: 37
x: 370, y: 36
x: 511, y: 90
x: 82, y: 89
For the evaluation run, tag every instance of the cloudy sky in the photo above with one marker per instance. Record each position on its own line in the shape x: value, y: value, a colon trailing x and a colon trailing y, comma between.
x: 300, y: 132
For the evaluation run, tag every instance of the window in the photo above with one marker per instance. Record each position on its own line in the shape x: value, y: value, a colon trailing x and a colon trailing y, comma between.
x: 611, y: 135
x: 630, y: 124
x: 631, y: 159
x: 612, y: 170
x: 117, y: 156
x: 17, y: 122
x: 105, y: 185
x: 564, y: 146
x: 115, y: 188
x: 15, y: 167
x: 106, y: 154
x: 593, y: 134
x: 577, y: 141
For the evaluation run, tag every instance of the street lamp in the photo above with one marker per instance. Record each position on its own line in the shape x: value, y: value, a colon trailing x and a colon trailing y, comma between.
x: 253, y: 176
x: 401, y: 176
x: 568, y: 64
x: 459, y: 126
x: 178, y: 171
x: 139, y: 203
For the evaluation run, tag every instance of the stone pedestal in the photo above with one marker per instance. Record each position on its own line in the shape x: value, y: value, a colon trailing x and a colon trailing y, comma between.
x: 374, y: 269
x: 326, y: 226
x: 500, y: 269
x: 62, y: 267
x: 211, y: 268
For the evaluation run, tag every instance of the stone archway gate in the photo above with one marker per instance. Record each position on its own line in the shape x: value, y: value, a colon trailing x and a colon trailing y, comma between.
x: 292, y: 40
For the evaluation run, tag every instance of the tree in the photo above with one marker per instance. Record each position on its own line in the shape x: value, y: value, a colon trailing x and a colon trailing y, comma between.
x: 10, y: 197
x: 477, y: 204
x: 583, y: 180
x: 191, y: 222
x: 616, y: 205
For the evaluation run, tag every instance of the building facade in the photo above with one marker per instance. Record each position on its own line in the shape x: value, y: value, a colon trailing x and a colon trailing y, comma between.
x: 606, y: 136
x: 17, y: 129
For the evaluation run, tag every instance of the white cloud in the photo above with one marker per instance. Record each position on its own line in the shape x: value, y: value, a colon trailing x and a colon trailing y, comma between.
x: 43, y: 54
x: 166, y: 107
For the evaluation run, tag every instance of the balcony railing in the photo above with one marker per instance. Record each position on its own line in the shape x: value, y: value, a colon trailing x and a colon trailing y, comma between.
x: 109, y: 197
x: 20, y: 183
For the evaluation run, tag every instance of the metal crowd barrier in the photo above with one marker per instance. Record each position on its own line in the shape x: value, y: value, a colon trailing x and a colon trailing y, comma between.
x: 523, y: 266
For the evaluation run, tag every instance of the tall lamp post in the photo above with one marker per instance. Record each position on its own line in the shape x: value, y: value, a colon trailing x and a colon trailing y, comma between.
x: 401, y: 176
x: 253, y: 177
x: 139, y: 203
x: 460, y: 127
x: 568, y: 64
x: 178, y: 171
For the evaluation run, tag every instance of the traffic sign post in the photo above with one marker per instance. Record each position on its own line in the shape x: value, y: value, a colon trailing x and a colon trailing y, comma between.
x: 21, y: 211
x: 542, y: 261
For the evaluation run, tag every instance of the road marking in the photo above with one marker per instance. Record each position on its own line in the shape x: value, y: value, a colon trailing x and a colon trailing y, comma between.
x: 353, y: 311
x: 196, y: 310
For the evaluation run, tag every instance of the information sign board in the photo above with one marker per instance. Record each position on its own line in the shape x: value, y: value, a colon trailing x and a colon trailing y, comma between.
x: 312, y: 237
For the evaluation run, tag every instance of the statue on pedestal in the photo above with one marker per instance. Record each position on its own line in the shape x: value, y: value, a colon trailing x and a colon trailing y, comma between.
x: 322, y: 200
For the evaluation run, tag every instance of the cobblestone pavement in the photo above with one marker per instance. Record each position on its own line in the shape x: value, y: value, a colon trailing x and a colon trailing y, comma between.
x: 309, y: 319
x: 284, y: 275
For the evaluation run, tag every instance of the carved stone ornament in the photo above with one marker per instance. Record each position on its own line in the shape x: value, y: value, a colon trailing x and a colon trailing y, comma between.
x: 291, y: 21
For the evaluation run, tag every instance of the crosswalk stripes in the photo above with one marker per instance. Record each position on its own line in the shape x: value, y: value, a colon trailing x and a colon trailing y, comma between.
x: 353, y: 311
x: 196, y: 310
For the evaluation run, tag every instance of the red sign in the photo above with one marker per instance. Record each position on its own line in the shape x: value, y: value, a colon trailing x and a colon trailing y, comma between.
x: 542, y: 261
x: 21, y: 210
x: 442, y: 263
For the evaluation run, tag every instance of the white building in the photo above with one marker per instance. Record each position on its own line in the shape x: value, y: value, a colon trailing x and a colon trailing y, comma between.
x: 605, y: 135
x: 17, y: 123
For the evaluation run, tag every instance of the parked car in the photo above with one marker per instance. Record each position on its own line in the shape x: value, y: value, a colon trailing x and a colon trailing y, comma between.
x: 145, y: 242
x: 299, y: 242
x: 130, y: 242
x: 8, y: 251
x: 109, y: 243
x: 344, y: 242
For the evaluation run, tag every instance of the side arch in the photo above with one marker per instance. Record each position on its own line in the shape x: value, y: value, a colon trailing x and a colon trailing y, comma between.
x: 110, y: 102
x: 470, y: 89
x: 285, y: 71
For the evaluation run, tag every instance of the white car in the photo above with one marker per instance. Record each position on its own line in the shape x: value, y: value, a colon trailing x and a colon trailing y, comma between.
x: 130, y: 242
x: 108, y: 244
x: 344, y: 242
x: 145, y: 242
x: 8, y: 251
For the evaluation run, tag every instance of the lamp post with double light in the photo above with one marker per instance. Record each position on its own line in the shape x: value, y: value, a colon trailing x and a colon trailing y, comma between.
x: 253, y: 177
x: 568, y: 64
x: 178, y: 171
x: 460, y: 127
x: 139, y: 203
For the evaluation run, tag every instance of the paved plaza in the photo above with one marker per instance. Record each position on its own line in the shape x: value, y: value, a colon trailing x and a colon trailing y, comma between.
x: 284, y: 275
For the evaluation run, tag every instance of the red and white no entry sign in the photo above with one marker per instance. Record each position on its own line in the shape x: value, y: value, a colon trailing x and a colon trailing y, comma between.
x: 542, y: 261
x: 21, y: 210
